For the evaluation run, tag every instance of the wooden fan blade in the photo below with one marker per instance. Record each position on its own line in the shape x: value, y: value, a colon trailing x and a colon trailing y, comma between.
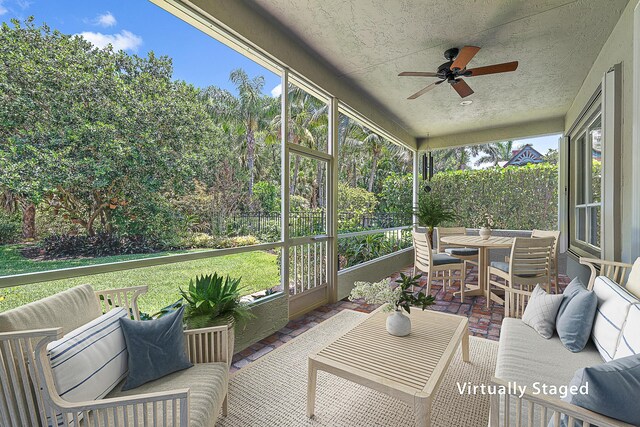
x: 466, y: 54
x: 462, y: 88
x: 425, y: 90
x: 418, y: 74
x: 493, y: 69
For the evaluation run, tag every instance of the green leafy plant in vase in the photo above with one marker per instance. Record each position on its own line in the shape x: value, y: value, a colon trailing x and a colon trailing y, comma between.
x: 431, y: 211
x: 214, y: 300
x: 395, y: 299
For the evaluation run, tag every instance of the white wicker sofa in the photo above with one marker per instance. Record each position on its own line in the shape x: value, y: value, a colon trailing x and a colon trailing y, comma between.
x: 525, y: 358
x: 192, y: 397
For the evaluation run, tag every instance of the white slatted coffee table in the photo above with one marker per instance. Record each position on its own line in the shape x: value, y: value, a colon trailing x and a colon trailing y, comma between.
x: 369, y: 356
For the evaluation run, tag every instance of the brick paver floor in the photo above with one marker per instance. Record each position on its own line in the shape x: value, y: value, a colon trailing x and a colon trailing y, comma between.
x: 483, y: 322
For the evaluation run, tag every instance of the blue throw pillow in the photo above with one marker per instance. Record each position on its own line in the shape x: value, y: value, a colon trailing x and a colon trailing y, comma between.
x: 156, y: 348
x: 612, y: 390
x: 575, y: 316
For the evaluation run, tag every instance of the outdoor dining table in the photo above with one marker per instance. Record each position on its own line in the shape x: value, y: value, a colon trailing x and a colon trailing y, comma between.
x: 483, y: 247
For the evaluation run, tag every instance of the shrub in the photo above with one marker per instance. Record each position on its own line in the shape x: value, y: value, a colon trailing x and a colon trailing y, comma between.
x: 102, y: 244
x: 396, y: 195
x: 266, y: 196
x: 353, y: 204
x: 9, y: 229
x: 234, y: 242
x: 518, y: 197
x: 198, y: 240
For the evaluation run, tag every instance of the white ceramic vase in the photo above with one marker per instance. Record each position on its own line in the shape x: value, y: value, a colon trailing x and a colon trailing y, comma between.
x: 485, y: 233
x: 398, y: 324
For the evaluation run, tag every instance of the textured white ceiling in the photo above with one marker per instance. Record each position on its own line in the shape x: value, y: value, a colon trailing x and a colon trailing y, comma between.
x: 368, y: 42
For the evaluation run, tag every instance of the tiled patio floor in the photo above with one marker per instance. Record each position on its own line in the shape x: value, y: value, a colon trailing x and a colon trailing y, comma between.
x: 483, y: 322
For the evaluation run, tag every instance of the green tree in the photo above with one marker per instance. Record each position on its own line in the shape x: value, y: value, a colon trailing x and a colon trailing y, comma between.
x: 495, y: 153
x: 92, y: 132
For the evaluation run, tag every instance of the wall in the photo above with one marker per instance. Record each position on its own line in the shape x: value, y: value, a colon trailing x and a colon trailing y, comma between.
x: 617, y: 49
x: 271, y: 314
x: 373, y: 270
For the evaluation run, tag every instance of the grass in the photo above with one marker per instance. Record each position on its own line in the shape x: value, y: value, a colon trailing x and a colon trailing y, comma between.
x: 259, y: 270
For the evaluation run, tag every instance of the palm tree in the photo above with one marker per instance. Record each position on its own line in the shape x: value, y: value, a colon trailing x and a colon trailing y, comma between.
x: 250, y: 114
x: 495, y: 153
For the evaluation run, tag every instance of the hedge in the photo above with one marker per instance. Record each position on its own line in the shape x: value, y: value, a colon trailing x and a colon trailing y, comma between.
x: 518, y: 197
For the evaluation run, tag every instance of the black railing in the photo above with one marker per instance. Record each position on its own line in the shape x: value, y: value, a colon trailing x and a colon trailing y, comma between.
x: 301, y: 223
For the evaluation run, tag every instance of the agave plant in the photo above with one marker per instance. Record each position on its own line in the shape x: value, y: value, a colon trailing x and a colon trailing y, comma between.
x: 211, y: 297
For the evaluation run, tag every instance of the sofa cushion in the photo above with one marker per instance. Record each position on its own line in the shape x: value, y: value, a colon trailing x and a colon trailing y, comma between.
x: 156, y: 348
x: 207, y: 384
x: 525, y: 357
x: 574, y: 323
x: 629, y: 343
x: 54, y: 312
x: 541, y: 312
x: 613, y: 305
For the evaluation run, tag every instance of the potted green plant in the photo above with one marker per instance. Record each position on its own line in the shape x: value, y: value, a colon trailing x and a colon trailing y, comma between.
x: 214, y: 300
x: 396, y: 299
x: 431, y: 212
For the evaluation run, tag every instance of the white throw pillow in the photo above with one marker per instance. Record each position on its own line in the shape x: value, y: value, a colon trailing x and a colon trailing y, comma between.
x: 88, y: 362
x: 541, y: 312
x: 629, y: 343
x: 613, y: 307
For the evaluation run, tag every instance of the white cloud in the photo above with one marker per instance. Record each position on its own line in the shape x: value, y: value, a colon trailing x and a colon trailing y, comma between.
x: 105, y: 20
x: 124, y: 40
x: 276, y: 91
x: 3, y: 9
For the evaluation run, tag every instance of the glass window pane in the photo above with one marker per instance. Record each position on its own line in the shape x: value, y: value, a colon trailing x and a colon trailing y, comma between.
x: 579, y: 147
x: 595, y: 137
x: 308, y: 196
x: 594, y: 232
x: 581, y: 223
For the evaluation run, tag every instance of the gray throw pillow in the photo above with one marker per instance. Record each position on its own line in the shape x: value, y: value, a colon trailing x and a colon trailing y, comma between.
x: 575, y: 316
x: 572, y: 289
x: 612, y: 390
x: 156, y: 348
x: 541, y: 312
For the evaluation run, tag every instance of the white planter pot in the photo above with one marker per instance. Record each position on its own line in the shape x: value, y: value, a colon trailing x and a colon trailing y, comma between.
x: 398, y: 324
x: 485, y: 233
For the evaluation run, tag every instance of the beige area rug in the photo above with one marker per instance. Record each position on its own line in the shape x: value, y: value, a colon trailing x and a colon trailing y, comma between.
x: 272, y: 391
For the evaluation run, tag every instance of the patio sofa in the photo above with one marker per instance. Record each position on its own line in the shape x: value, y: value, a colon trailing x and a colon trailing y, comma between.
x: 527, y: 359
x: 191, y: 397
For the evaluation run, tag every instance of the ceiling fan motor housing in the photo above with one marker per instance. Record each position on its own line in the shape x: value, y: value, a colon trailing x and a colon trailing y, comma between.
x: 450, y: 54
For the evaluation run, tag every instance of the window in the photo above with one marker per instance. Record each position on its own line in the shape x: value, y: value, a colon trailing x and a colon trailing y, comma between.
x: 585, y: 202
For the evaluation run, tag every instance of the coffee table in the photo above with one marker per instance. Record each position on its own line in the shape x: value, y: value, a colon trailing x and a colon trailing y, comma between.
x: 370, y: 356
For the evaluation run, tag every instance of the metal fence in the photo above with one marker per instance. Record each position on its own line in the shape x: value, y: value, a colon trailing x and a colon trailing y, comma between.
x: 301, y: 223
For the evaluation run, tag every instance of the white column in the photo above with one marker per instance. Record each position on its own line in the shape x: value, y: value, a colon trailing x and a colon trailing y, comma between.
x: 332, y: 203
x: 635, y: 166
x: 284, y: 181
x: 610, y: 240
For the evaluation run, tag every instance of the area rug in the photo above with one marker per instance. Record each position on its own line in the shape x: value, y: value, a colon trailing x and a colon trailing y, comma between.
x: 272, y: 391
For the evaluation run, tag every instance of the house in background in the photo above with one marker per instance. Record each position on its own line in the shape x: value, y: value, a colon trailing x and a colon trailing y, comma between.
x: 524, y: 156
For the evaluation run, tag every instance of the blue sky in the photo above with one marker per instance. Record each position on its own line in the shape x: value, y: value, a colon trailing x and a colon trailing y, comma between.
x: 138, y: 26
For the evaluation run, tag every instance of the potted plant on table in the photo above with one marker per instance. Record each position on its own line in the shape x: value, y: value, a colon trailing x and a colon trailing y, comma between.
x: 396, y: 299
x: 213, y: 300
x: 431, y: 212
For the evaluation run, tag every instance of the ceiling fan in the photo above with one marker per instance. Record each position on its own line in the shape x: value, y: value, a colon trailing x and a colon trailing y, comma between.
x: 455, y: 68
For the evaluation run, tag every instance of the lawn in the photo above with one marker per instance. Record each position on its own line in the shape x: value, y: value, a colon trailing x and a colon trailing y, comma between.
x: 259, y: 271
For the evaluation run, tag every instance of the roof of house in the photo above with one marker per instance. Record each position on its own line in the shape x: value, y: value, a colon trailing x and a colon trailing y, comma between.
x: 524, y: 156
